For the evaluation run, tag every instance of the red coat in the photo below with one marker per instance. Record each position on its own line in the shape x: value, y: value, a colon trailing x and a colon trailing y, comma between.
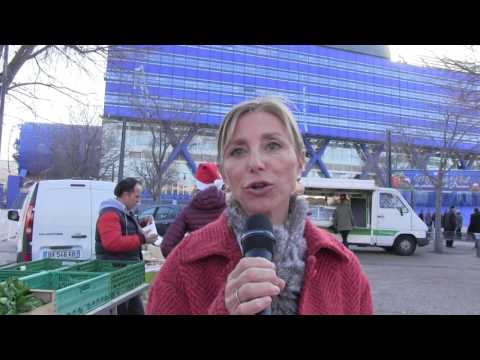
x: 193, y: 278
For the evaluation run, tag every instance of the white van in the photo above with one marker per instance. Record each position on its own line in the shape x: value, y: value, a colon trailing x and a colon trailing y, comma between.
x: 382, y: 216
x: 58, y: 219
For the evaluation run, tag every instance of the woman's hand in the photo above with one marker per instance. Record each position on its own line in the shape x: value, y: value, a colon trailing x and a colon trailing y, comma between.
x: 251, y: 285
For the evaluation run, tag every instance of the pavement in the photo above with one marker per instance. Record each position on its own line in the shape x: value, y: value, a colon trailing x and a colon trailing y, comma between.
x: 8, y: 250
x: 424, y: 283
x: 7, y: 227
x: 8, y: 245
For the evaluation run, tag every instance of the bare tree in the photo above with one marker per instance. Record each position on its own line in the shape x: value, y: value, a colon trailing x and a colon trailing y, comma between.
x: 109, y: 155
x: 148, y: 173
x: 170, y: 125
x: 77, y: 148
x: 458, y: 125
x: 38, y: 62
x: 41, y: 57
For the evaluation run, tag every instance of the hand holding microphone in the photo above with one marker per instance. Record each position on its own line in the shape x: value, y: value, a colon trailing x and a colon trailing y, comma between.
x: 253, y: 282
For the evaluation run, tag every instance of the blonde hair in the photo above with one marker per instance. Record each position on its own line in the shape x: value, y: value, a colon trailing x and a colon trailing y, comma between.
x: 269, y: 104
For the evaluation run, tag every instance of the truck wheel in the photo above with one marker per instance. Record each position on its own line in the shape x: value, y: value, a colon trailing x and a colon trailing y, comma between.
x: 405, y: 245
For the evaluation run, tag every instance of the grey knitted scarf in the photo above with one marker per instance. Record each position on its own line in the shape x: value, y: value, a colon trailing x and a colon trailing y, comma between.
x: 289, y: 251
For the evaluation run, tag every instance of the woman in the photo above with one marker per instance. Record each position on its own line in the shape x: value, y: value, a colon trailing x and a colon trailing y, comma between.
x: 343, y: 218
x: 261, y: 155
x: 206, y: 206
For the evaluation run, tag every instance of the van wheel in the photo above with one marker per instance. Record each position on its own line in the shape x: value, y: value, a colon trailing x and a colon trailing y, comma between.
x: 405, y: 245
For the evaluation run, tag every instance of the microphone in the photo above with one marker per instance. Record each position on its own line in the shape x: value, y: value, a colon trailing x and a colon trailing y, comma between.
x: 258, y: 240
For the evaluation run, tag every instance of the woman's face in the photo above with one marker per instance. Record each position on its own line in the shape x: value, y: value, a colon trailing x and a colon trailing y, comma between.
x: 261, y: 165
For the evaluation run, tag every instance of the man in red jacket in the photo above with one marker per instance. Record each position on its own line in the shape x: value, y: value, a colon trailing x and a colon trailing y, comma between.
x: 206, y: 206
x: 119, y: 236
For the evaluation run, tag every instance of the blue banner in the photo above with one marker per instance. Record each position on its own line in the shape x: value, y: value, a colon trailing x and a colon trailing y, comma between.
x: 454, y: 180
x: 14, y: 186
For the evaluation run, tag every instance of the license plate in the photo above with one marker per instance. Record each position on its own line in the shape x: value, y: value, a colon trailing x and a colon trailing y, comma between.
x: 62, y: 254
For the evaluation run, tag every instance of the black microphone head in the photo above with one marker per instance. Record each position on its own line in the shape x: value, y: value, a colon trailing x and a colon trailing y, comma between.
x: 258, y: 222
x: 258, y: 234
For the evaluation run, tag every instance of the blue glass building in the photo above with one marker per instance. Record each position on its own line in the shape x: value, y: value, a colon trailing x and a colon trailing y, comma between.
x: 37, y: 141
x: 335, y: 93
x: 35, y: 146
x: 348, y: 95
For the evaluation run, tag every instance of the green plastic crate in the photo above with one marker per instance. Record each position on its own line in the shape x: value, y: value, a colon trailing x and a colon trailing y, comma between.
x: 76, y: 293
x: 5, y: 275
x: 20, y: 270
x: 41, y: 265
x: 125, y: 275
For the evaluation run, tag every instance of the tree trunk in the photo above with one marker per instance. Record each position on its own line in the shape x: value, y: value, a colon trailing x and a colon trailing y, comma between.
x: 438, y: 241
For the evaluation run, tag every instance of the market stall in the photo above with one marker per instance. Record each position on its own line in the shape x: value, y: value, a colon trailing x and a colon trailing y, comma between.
x: 52, y: 286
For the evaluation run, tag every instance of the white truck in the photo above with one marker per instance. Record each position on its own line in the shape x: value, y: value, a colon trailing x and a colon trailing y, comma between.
x: 382, y: 217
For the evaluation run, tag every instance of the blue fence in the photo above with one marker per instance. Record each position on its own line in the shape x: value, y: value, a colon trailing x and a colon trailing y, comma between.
x: 457, y: 199
x: 424, y: 201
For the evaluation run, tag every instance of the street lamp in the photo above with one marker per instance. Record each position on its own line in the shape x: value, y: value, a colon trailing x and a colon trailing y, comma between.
x: 389, y: 158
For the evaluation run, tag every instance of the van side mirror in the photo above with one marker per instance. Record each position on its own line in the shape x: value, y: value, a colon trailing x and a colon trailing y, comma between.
x: 13, y: 215
x: 401, y: 210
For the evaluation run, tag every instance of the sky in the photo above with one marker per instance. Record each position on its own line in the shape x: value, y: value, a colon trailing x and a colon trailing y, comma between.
x: 412, y: 53
x: 57, y: 108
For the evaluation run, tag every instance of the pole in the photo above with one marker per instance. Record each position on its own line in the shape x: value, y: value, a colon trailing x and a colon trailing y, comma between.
x: 389, y: 158
x: 122, y: 151
x: 476, y: 237
x: 3, y: 92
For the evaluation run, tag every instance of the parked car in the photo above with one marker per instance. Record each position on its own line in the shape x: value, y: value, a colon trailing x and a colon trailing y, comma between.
x: 164, y: 216
x: 58, y: 219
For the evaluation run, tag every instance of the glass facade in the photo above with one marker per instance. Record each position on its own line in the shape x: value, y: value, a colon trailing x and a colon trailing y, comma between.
x: 333, y: 93
x: 138, y: 149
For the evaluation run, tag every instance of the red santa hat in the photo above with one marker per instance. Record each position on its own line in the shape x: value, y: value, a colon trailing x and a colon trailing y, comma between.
x: 208, y: 175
